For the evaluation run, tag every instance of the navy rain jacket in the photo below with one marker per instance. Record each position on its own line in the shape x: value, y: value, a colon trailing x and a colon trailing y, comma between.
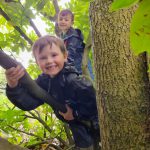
x: 67, y: 88
x: 73, y: 40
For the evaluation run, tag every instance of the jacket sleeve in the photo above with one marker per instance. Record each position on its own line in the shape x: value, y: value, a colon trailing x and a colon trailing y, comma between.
x: 21, y: 98
x: 84, y: 97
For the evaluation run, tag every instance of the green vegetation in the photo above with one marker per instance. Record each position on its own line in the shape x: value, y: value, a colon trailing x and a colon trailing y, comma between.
x: 18, y: 32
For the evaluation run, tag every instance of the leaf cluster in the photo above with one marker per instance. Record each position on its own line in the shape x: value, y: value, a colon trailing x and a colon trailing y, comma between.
x: 140, y: 24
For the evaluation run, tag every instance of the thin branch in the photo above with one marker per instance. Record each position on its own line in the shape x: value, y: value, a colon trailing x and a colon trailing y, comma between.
x: 41, y: 121
x: 53, y: 18
x: 37, y: 113
x: 31, y: 22
x: 85, y: 55
x: 16, y: 27
x: 51, y: 145
x: 31, y: 134
x: 27, y: 116
x: 55, y: 2
x: 35, y: 28
x: 39, y: 143
x: 68, y: 134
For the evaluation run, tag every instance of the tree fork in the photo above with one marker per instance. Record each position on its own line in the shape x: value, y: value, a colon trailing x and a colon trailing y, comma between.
x: 7, y: 62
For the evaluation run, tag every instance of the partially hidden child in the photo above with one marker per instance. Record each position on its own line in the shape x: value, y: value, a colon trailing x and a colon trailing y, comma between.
x: 73, y: 38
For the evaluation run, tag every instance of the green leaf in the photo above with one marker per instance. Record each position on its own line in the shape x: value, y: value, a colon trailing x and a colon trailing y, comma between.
x: 140, y: 28
x: 119, y: 4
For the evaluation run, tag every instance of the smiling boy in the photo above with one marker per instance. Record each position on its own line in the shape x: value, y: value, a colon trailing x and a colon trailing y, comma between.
x: 62, y: 82
x: 73, y: 38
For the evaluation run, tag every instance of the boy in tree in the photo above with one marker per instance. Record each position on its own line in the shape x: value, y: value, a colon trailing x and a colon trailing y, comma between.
x: 73, y: 38
x: 61, y: 81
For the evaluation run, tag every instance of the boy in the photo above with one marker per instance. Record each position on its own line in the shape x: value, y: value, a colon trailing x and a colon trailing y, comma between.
x: 73, y: 38
x: 62, y: 82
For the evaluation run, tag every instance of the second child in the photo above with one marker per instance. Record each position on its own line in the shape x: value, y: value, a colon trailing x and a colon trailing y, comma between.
x: 73, y: 38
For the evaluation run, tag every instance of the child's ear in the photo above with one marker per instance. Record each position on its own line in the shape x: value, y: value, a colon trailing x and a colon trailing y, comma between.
x: 66, y: 56
x: 72, y: 23
x: 36, y: 62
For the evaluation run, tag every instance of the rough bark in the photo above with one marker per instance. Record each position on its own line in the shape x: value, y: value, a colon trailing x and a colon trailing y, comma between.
x: 7, y: 62
x: 5, y: 145
x: 121, y: 80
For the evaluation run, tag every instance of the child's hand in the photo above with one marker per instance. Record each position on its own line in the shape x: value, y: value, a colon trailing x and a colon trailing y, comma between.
x: 68, y: 115
x: 13, y: 75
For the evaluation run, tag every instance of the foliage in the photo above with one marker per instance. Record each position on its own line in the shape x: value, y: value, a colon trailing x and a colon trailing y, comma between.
x: 140, y: 25
x: 119, y: 4
x: 18, y: 126
x: 140, y: 28
x: 21, y: 13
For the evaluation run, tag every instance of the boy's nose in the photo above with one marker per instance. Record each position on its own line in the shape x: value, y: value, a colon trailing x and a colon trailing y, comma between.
x: 49, y: 60
x: 63, y: 20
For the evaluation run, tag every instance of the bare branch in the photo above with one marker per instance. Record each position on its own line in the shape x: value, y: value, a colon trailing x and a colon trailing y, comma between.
x: 16, y: 27
x: 35, y: 28
x: 55, y: 2
x: 31, y: 22
x: 41, y: 121
x: 85, y: 55
x: 31, y: 134
x: 53, y: 18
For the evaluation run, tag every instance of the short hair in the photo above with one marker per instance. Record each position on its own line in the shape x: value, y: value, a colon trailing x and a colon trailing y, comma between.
x: 43, y: 41
x: 66, y: 12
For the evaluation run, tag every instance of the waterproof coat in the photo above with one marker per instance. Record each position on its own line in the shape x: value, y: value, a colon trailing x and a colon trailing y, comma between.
x: 68, y: 87
x: 73, y: 40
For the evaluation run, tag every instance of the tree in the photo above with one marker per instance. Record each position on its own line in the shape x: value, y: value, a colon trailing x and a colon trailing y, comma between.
x: 4, y: 144
x: 16, y: 17
x: 121, y: 77
x: 122, y: 81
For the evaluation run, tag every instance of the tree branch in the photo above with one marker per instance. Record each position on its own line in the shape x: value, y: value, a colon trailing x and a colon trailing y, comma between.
x: 41, y: 121
x: 16, y: 27
x: 85, y: 55
x: 31, y: 134
x: 31, y: 22
x: 35, y: 28
x: 53, y: 18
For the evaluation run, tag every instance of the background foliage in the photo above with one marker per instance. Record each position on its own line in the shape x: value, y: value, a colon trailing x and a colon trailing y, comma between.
x: 19, y: 28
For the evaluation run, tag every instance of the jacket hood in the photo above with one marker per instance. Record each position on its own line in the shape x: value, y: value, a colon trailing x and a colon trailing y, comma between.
x: 69, y: 68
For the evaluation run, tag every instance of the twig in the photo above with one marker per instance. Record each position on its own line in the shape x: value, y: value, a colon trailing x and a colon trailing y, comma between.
x: 31, y: 134
x: 16, y: 27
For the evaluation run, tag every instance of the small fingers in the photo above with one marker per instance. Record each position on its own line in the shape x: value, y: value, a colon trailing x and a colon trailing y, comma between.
x: 15, y: 73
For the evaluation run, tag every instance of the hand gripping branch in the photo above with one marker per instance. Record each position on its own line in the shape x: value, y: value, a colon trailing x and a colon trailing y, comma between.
x: 7, y: 62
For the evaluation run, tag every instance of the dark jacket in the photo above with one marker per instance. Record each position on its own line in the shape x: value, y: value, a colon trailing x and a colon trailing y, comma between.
x: 67, y: 88
x: 73, y: 40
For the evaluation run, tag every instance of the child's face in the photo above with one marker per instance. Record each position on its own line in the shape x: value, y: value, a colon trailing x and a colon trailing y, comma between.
x: 51, y: 60
x: 65, y: 22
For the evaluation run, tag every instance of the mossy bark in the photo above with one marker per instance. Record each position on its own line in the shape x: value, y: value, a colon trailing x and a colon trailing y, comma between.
x: 121, y: 80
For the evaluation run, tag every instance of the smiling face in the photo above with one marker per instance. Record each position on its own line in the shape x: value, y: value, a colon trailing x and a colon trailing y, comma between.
x: 65, y: 22
x: 50, y: 59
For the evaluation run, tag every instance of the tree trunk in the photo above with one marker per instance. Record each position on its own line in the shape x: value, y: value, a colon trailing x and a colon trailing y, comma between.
x: 121, y: 80
x: 5, y: 145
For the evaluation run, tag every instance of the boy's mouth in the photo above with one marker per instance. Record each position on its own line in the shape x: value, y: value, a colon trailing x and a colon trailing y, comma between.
x: 50, y: 67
